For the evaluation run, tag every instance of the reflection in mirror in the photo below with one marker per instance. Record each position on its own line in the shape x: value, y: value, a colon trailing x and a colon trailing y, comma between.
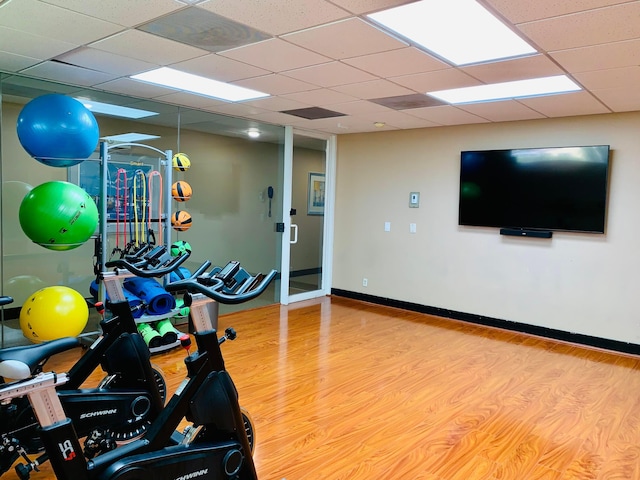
x: 229, y: 176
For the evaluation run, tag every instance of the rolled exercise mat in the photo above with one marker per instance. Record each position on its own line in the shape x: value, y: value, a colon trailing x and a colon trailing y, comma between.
x: 134, y: 301
x: 157, y: 299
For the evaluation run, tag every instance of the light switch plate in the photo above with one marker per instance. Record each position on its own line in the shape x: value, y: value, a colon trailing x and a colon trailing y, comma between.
x: 414, y: 199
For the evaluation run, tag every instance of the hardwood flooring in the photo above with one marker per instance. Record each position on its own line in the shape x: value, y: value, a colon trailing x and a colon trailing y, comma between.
x: 339, y: 389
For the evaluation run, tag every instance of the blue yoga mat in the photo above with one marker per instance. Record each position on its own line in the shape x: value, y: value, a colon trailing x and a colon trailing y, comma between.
x: 158, y: 300
x: 133, y: 300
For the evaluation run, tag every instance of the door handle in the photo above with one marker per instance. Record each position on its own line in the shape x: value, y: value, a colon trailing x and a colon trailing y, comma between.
x: 294, y: 240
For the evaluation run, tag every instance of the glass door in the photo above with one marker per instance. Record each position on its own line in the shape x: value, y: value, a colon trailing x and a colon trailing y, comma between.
x: 307, y: 213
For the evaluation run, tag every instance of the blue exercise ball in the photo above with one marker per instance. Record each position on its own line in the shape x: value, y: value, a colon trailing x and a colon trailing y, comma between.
x: 57, y: 130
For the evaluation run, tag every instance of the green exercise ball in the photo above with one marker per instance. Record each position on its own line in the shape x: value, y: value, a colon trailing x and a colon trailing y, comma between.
x: 58, y: 215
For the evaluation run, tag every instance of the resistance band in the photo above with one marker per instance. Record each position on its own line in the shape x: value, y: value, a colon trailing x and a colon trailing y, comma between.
x: 152, y: 174
x: 138, y: 229
x: 121, y: 206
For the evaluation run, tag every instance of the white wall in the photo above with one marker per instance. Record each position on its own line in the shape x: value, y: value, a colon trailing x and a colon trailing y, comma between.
x: 581, y: 283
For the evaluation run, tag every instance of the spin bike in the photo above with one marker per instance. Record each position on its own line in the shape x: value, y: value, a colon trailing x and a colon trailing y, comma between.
x: 118, y: 410
x: 215, y: 447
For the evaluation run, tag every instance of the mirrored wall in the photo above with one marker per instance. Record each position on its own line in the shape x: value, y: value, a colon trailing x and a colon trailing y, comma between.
x: 236, y: 182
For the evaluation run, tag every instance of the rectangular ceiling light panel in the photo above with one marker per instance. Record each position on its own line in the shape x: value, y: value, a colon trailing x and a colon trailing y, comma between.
x: 508, y: 90
x: 460, y: 31
x: 187, y: 82
x: 115, y: 110
x: 129, y: 137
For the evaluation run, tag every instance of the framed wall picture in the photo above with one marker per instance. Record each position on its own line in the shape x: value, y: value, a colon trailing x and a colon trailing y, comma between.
x: 315, y: 194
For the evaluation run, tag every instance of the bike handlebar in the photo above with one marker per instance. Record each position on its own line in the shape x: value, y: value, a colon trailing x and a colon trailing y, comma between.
x: 150, y: 262
x: 230, y: 285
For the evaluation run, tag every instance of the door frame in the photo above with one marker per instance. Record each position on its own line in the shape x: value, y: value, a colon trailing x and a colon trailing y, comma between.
x: 327, y: 236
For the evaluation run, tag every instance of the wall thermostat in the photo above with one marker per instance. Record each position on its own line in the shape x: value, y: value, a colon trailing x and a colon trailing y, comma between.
x: 414, y: 199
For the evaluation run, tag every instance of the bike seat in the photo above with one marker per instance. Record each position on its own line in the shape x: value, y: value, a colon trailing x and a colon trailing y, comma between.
x: 21, y: 362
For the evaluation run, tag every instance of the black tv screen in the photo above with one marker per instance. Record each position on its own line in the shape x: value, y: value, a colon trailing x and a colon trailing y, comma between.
x: 558, y: 188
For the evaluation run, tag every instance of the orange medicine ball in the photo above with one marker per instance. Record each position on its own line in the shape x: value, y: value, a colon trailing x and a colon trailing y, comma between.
x: 181, y: 221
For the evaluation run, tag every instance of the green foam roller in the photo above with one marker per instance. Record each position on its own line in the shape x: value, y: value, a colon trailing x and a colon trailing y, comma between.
x: 167, y: 331
x: 150, y: 336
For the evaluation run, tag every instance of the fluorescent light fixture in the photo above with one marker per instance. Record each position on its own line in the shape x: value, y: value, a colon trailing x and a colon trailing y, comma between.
x: 187, y: 82
x: 130, y: 137
x: 115, y: 110
x: 460, y: 31
x: 508, y: 90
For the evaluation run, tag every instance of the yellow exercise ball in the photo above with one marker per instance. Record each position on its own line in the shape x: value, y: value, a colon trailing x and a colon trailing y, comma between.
x: 53, y: 312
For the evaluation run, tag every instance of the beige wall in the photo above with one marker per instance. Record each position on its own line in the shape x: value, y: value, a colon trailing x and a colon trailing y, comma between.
x: 573, y: 282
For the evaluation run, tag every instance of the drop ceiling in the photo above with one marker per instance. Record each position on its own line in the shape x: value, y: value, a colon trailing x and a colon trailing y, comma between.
x: 318, y: 55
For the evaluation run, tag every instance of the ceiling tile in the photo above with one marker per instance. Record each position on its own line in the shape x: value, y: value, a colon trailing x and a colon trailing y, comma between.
x: 535, y: 66
x: 275, y: 84
x: 401, y: 120
x: 237, y: 109
x: 276, y: 118
x: 612, y: 78
x: 438, y: 80
x: 345, y: 39
x: 14, y: 63
x: 504, y: 111
x: 330, y: 74
x: 148, y: 47
x: 31, y: 45
x: 275, y: 16
x: 373, y: 89
x: 593, y: 27
x: 78, y: 29
x: 61, y: 72
x: 219, y: 68
x: 394, y: 63
x: 277, y: 104
x: 320, y: 97
x: 137, y: 12
x: 568, y: 104
x: 446, y: 115
x: 360, y: 107
x: 275, y: 55
x: 368, y: 6
x: 105, y: 61
x: 625, y: 99
x: 599, y: 57
x: 519, y: 12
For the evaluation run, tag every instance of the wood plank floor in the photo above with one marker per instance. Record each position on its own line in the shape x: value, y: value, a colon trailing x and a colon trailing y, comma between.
x: 340, y: 389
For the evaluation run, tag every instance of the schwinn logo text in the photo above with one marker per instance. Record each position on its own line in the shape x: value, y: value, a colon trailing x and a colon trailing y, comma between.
x: 99, y: 413
x: 188, y: 476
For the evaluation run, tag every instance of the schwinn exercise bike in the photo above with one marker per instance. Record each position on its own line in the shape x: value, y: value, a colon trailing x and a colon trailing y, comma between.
x: 215, y: 447
x: 118, y: 410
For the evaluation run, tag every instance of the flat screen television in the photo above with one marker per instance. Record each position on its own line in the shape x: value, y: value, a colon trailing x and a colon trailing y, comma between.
x: 553, y: 189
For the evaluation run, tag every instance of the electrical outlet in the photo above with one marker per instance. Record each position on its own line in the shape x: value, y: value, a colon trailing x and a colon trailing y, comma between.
x: 365, y: 282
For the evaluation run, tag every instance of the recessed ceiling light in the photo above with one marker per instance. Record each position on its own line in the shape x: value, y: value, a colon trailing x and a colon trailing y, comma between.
x: 253, y: 133
x: 187, y: 82
x: 129, y: 137
x: 115, y: 110
x: 379, y: 124
x: 508, y: 90
x: 459, y: 31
